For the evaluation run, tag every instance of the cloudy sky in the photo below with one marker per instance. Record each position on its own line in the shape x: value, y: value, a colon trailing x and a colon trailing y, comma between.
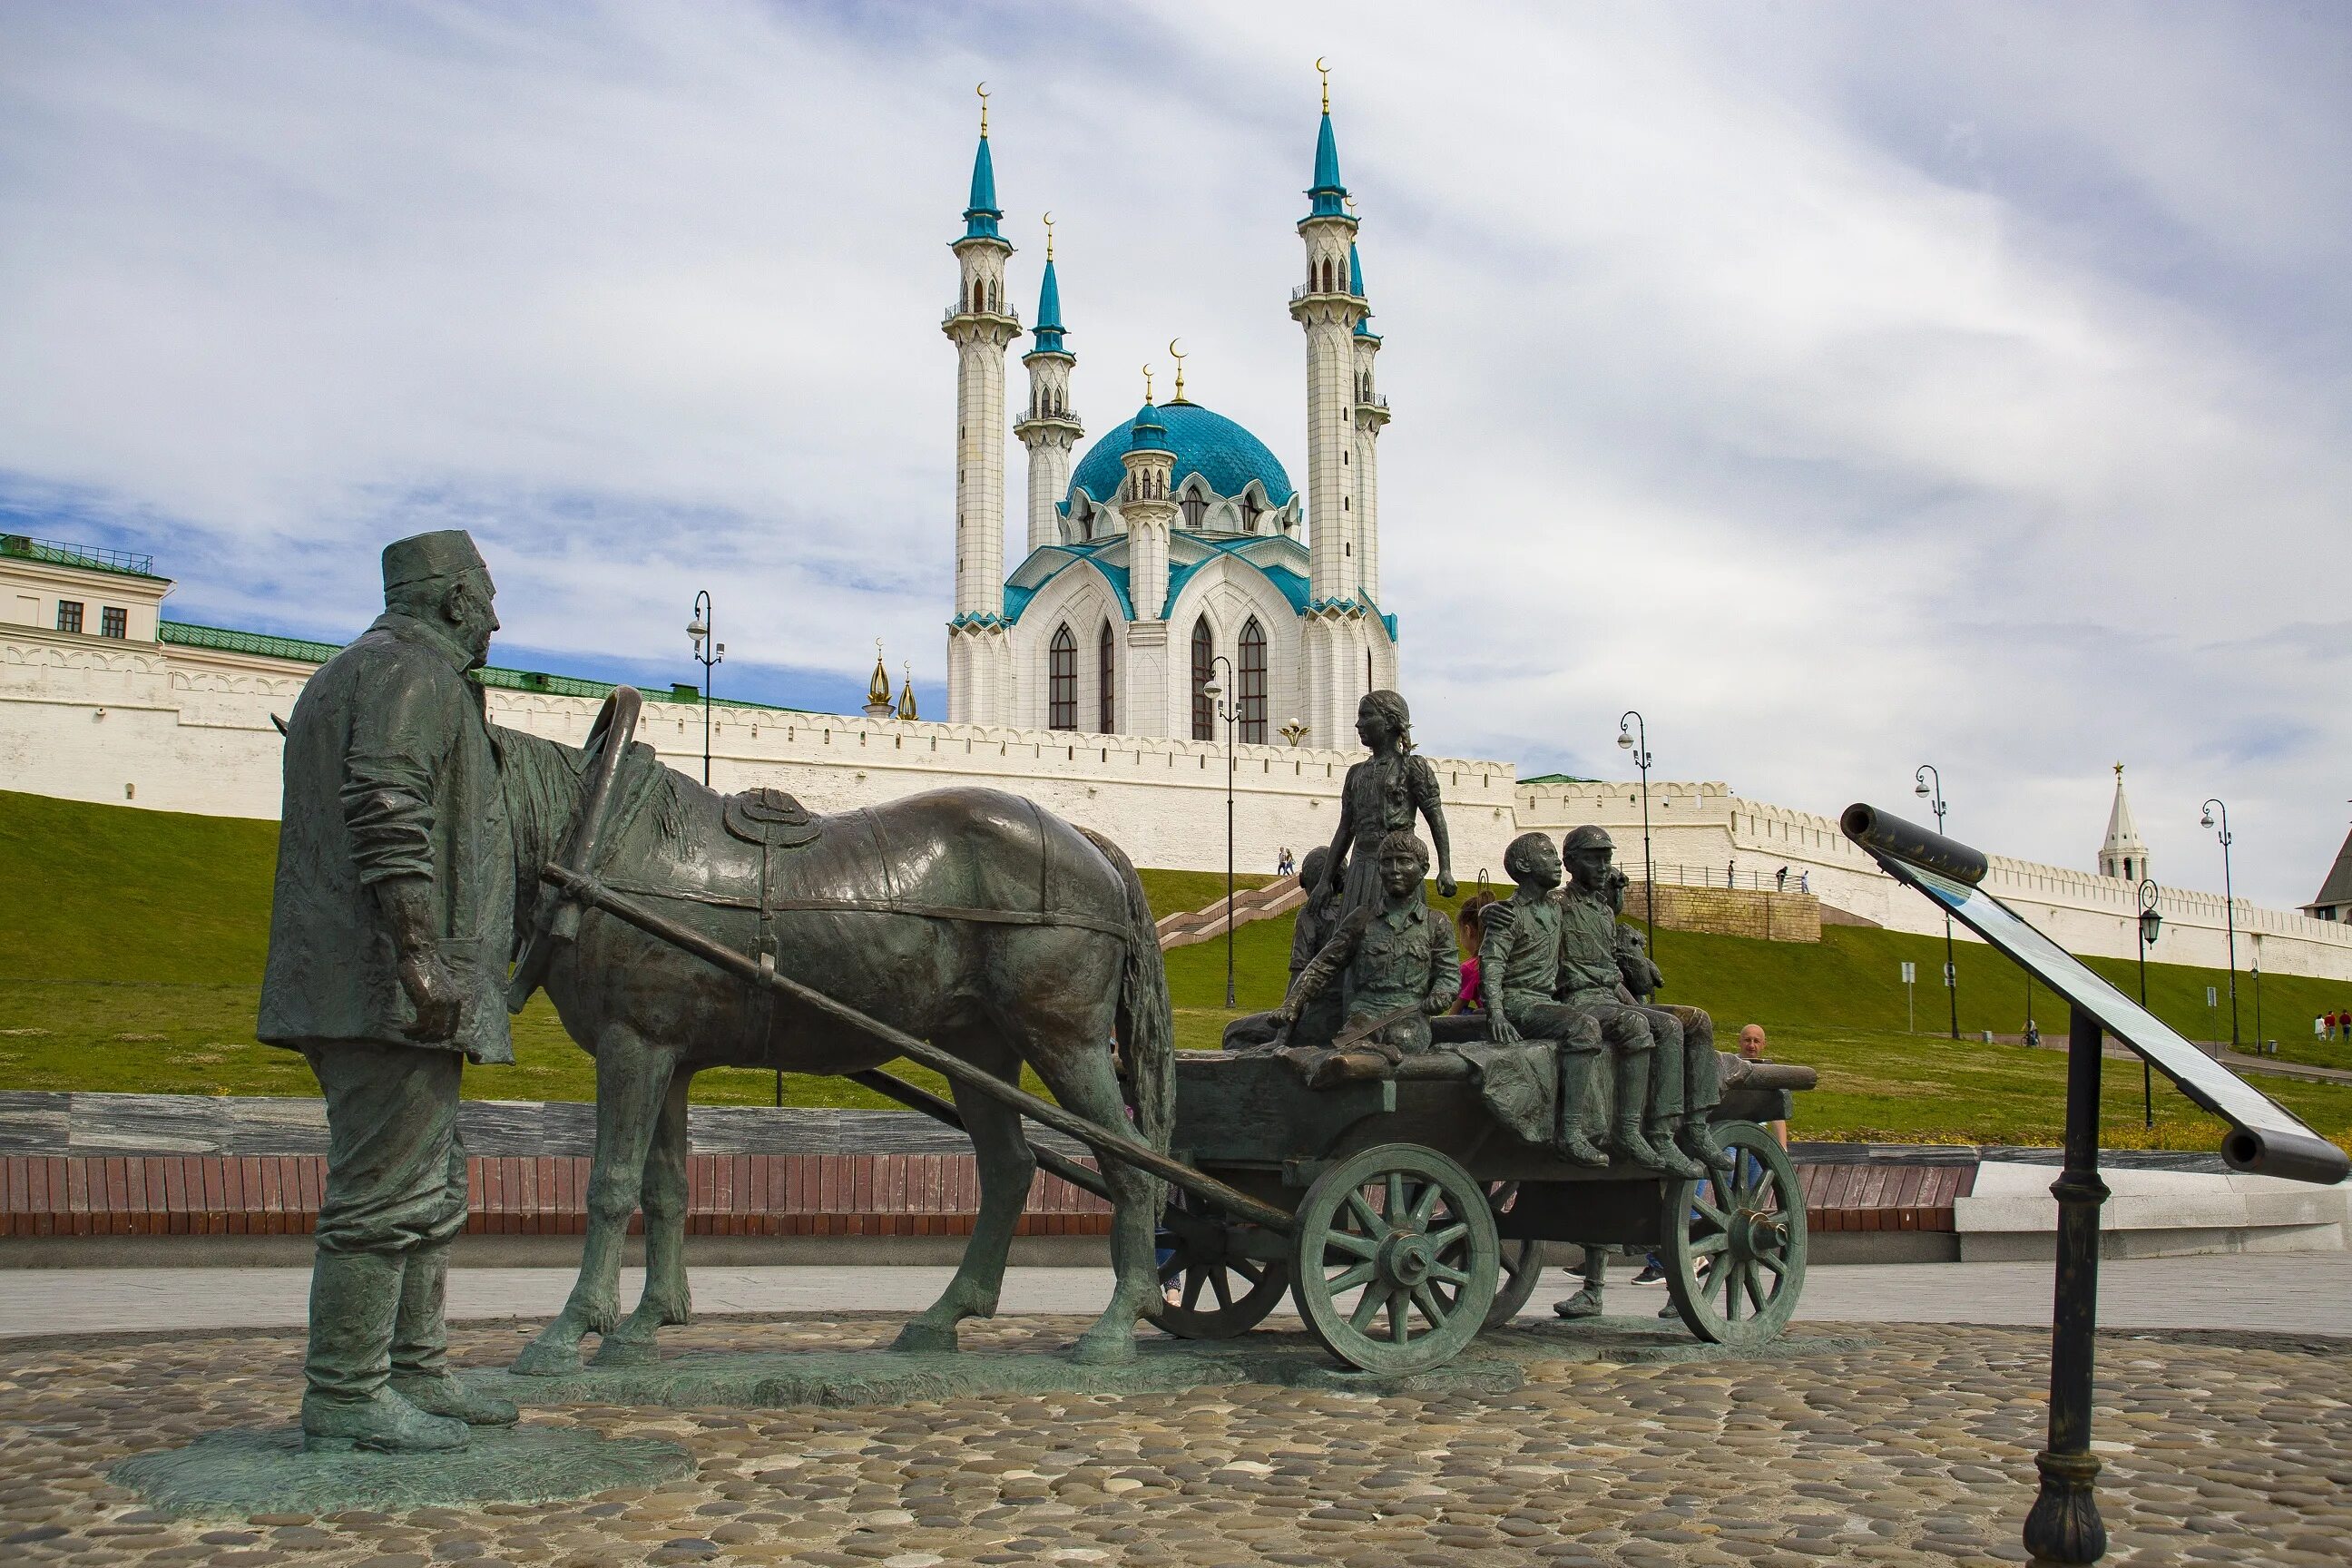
x: 1844, y: 386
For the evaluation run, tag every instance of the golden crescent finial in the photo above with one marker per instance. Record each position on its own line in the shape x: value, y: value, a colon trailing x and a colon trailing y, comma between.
x: 983, y: 90
x: 1049, y: 236
x: 1172, y: 349
x: 1325, y: 72
x: 1147, y: 383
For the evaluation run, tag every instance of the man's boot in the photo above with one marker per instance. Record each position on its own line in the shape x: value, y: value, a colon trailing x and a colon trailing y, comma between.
x: 1698, y: 1141
x: 354, y: 1299
x: 1586, y: 1303
x: 420, y: 1348
x: 1626, y: 1119
x: 1576, y: 1097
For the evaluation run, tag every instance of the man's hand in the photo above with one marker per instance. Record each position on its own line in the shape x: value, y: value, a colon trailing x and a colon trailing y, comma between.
x: 432, y: 986
x: 1499, y: 1029
x: 1446, y: 884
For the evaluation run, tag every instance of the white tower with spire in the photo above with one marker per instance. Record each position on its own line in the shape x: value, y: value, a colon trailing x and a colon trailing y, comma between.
x: 1049, y: 430
x: 980, y: 324
x: 1149, y: 507
x: 1337, y: 666
x: 1371, y: 416
x: 2123, y: 854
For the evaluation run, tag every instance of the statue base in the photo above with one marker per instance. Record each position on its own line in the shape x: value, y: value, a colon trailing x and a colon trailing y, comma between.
x: 242, y: 1472
x: 841, y: 1379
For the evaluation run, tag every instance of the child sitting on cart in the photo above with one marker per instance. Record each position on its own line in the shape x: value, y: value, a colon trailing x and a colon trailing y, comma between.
x: 1393, y: 964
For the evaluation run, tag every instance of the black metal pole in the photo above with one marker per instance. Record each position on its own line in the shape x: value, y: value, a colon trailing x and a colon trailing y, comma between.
x: 1649, y: 871
x: 2063, y: 1526
x: 2147, y: 1073
x: 2228, y: 912
x: 1229, y: 858
x: 2258, y: 1003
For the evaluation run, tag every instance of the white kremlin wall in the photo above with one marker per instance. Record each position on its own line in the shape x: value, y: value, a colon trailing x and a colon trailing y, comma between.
x: 175, y: 728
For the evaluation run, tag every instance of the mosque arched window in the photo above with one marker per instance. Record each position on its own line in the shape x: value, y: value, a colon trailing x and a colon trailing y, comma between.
x: 979, y: 300
x: 1062, y: 680
x: 1251, y: 511
x: 1204, y: 670
x: 1107, y: 680
x: 1253, y: 694
x: 1196, y: 508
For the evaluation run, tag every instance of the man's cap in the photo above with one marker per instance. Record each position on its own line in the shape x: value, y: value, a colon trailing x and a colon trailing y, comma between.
x: 1592, y: 835
x: 424, y: 556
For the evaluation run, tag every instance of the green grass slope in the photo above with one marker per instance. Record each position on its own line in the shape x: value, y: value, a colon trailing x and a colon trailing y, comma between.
x: 131, y: 945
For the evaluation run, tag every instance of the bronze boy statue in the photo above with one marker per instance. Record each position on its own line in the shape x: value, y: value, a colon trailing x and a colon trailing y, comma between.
x: 1393, y: 960
x: 1317, y: 918
x: 388, y: 941
x: 1518, y: 972
x: 1663, y: 1092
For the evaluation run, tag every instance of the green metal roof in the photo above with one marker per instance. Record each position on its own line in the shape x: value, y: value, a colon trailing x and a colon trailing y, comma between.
x: 89, y: 557
x: 301, y: 650
x: 1558, y: 778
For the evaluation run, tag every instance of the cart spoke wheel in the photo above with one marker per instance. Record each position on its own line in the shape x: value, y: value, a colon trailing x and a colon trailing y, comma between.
x: 1198, y: 1261
x: 1735, y: 1244
x: 1521, y: 1261
x: 1395, y: 1264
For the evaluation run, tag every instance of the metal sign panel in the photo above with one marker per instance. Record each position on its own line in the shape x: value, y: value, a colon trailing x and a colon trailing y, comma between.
x: 2264, y: 1138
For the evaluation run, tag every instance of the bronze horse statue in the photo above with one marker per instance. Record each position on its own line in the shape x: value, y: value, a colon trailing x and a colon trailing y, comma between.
x: 968, y: 918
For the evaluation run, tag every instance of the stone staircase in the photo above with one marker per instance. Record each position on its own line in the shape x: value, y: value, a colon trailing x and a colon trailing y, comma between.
x: 1276, y: 897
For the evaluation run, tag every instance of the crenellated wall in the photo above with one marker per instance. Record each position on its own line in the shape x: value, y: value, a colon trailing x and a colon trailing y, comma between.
x: 188, y: 729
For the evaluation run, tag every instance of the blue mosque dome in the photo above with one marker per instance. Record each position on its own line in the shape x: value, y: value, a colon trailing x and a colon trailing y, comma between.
x: 1205, y: 443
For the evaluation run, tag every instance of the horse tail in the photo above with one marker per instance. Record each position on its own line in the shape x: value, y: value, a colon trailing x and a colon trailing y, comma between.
x: 1147, y: 1023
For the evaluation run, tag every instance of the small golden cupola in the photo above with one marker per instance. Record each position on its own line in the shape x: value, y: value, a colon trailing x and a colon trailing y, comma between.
x: 906, y: 695
x: 877, y: 689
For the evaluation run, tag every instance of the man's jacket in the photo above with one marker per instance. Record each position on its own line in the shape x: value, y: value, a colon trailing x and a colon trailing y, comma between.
x: 392, y: 771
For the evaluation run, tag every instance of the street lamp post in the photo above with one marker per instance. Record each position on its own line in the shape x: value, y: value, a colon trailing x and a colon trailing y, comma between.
x: 1230, y: 712
x: 1919, y: 778
x: 1637, y: 741
x: 2254, y: 967
x: 708, y: 651
x: 2228, y: 904
x: 2150, y: 923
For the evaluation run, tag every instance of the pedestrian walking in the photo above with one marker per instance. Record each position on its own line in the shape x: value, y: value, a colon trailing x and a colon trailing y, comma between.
x: 1781, y: 880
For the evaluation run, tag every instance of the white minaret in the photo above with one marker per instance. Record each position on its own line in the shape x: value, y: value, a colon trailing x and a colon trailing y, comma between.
x: 1371, y: 414
x: 1335, y: 656
x: 2123, y: 854
x: 1148, y: 510
x: 980, y: 324
x: 1049, y: 429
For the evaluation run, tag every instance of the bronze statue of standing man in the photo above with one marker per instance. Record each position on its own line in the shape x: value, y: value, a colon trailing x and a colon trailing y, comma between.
x: 389, y: 933
x: 1381, y: 797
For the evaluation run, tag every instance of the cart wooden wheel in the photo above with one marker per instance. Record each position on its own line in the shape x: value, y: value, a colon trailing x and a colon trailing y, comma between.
x: 1207, y: 1289
x: 1521, y: 1261
x: 1735, y: 1244
x: 1395, y: 1258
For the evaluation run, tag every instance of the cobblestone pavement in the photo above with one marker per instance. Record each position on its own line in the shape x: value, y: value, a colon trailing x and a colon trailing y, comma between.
x: 2302, y: 1292
x: 1897, y: 1445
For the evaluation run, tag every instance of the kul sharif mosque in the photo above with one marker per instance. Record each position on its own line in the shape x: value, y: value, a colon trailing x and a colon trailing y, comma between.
x: 1175, y: 549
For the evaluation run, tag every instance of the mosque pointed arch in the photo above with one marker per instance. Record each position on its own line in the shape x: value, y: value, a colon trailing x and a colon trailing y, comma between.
x: 1062, y: 680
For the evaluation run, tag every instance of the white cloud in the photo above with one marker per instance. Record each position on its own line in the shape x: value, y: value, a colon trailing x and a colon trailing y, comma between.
x: 1843, y: 393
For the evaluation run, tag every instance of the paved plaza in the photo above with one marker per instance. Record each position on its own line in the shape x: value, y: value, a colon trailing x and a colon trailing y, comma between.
x: 1868, y: 1436
x: 2308, y: 1293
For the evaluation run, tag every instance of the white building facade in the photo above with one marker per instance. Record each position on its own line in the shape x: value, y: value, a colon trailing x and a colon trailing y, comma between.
x: 1142, y: 586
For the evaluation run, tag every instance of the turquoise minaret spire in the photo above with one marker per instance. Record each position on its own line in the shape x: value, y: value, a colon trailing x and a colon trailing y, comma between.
x: 1356, y: 287
x: 1330, y: 196
x: 981, y: 213
x: 1049, y: 329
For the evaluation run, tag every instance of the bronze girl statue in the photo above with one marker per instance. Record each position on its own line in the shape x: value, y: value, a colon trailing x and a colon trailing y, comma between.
x: 1382, y: 795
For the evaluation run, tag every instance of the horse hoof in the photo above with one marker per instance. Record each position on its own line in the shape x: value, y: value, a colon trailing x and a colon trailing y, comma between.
x: 627, y: 1353
x: 546, y: 1361
x: 1114, y: 1349
x: 925, y: 1339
